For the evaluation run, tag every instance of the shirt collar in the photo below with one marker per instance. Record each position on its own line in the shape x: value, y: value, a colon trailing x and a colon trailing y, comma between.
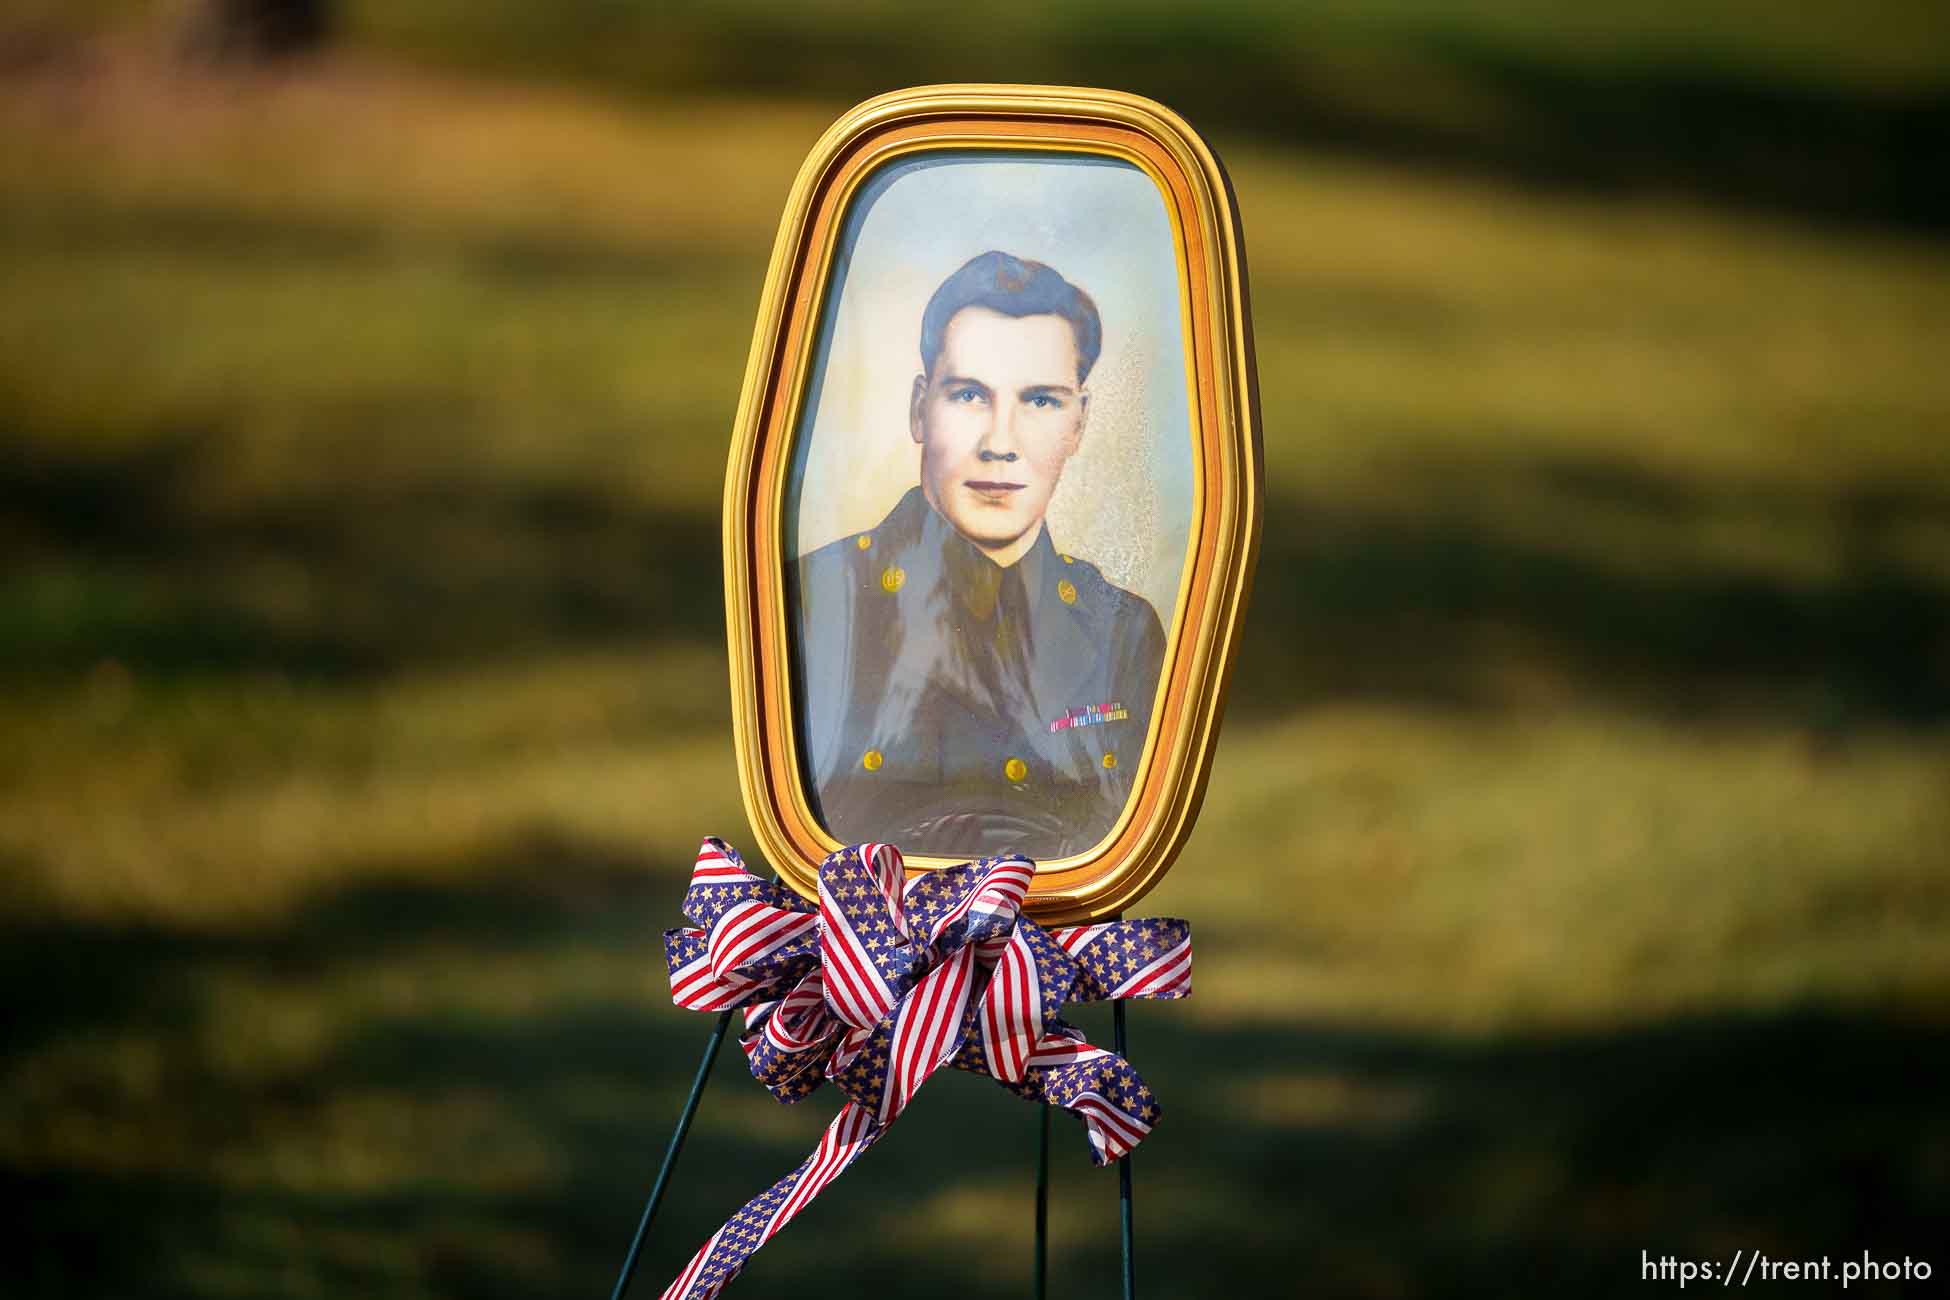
x: 939, y: 536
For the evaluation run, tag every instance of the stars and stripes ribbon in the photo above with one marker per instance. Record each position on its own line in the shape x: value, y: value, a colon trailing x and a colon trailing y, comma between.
x: 885, y: 980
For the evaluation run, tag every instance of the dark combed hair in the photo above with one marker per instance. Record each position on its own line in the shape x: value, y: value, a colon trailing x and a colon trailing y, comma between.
x: 1014, y: 287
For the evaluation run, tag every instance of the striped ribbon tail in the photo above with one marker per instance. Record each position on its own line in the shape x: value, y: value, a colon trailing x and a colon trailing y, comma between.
x: 719, y: 1259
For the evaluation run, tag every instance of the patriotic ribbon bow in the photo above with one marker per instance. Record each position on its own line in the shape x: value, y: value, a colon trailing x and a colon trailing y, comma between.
x: 886, y: 980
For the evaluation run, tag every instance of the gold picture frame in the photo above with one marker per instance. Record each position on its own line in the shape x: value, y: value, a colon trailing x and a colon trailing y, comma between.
x: 1223, y: 535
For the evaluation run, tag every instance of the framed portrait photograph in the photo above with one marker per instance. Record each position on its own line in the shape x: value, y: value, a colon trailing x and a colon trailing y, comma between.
x: 993, y: 498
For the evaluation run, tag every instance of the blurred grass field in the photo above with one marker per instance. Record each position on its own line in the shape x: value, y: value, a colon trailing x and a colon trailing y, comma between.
x: 1573, y: 877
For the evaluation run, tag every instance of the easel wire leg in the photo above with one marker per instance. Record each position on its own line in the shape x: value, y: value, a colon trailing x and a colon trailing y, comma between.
x: 1042, y: 1206
x: 1124, y: 1175
x: 670, y: 1154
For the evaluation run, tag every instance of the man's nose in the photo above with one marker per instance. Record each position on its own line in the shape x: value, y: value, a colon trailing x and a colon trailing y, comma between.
x: 999, y: 440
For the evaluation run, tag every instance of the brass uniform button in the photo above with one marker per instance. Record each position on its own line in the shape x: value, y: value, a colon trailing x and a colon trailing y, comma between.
x: 1110, y: 761
x: 1016, y: 770
x: 1069, y: 560
x: 864, y: 541
x: 892, y: 577
x: 871, y: 760
x: 1067, y: 591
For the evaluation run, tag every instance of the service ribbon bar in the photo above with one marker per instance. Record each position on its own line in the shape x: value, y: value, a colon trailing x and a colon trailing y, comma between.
x: 884, y: 981
x: 1091, y: 715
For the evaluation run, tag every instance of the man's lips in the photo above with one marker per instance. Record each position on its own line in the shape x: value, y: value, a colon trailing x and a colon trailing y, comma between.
x: 991, y: 485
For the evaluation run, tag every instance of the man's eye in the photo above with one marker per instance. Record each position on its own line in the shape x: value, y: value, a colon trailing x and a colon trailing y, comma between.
x: 966, y: 396
x: 1042, y: 402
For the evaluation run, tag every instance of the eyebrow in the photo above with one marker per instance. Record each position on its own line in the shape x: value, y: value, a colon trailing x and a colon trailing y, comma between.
x: 962, y: 381
x: 1047, y: 390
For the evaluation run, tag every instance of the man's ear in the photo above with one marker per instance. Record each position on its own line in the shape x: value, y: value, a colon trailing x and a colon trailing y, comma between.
x: 917, y: 403
x: 1083, y: 419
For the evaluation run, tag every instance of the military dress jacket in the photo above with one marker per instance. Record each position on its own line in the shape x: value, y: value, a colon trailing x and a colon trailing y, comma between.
x: 954, y: 707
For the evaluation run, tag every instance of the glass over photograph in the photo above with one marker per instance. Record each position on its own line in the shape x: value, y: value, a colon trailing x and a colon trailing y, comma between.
x: 989, y: 504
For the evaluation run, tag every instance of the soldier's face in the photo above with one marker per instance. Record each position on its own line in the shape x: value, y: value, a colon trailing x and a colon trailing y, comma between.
x: 997, y: 420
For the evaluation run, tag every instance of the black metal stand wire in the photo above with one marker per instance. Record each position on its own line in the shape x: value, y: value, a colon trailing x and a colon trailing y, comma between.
x: 1042, y: 1208
x: 670, y: 1155
x: 1124, y: 1172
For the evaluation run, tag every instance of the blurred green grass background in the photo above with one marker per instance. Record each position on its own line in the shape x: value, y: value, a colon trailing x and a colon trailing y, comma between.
x: 1573, y: 877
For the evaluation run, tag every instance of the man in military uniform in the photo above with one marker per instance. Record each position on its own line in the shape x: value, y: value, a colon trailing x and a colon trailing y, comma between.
x: 969, y: 689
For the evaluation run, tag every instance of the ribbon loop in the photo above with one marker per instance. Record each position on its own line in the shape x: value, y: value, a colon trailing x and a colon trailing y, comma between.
x: 884, y: 981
